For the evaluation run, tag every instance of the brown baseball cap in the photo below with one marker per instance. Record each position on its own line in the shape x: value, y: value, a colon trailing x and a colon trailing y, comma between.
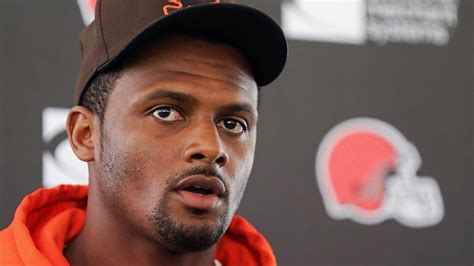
x: 120, y: 25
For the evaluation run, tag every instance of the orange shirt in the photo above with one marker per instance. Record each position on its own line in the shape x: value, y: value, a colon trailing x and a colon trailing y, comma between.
x: 49, y: 218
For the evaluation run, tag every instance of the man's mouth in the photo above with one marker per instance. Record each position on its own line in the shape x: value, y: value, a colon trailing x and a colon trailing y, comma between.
x: 201, y: 192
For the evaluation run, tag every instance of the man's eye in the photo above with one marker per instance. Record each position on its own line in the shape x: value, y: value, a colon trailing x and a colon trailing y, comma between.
x: 233, y: 126
x: 167, y: 114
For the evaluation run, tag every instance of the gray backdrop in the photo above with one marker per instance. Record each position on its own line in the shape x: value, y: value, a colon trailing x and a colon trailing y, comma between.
x: 422, y: 89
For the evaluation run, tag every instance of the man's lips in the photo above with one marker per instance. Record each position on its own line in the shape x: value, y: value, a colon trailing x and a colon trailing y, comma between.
x: 201, y: 192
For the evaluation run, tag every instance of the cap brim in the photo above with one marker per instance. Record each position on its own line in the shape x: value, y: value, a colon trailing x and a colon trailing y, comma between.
x: 253, y: 32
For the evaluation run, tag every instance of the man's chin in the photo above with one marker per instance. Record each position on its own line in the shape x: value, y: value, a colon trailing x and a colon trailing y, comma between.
x: 190, y: 231
x: 195, y: 238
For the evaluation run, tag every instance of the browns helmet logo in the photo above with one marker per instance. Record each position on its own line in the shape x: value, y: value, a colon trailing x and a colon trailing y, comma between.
x: 367, y: 172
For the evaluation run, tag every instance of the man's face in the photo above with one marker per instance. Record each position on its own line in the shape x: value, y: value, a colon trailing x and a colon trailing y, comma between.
x: 178, y: 141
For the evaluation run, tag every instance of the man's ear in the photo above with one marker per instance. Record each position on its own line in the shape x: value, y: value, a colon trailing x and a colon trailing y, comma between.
x: 81, y: 126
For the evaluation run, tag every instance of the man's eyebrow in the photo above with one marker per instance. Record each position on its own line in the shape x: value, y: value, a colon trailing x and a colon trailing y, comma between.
x: 240, y: 107
x: 169, y: 94
x: 189, y: 99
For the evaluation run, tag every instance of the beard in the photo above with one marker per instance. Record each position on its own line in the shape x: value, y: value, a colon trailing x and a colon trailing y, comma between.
x: 180, y: 236
x: 170, y: 231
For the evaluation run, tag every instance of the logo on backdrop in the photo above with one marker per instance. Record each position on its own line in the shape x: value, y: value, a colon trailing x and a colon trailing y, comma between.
x: 60, y: 165
x: 87, y: 8
x: 366, y: 171
x: 378, y: 21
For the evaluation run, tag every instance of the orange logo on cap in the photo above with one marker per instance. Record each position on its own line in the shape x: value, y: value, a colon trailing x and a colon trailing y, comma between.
x: 177, y: 4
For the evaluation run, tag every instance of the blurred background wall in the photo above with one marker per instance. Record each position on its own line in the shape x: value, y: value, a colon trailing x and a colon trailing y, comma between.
x: 364, y: 152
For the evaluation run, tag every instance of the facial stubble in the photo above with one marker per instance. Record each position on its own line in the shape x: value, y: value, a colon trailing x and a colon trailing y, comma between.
x: 162, y: 225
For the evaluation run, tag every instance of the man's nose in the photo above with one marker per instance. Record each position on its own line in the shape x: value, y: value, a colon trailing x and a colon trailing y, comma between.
x: 205, y: 144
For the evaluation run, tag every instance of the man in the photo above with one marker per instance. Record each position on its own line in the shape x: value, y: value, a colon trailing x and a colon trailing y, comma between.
x: 165, y: 116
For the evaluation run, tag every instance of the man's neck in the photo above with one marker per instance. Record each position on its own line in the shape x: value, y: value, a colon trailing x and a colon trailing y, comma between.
x: 105, y: 240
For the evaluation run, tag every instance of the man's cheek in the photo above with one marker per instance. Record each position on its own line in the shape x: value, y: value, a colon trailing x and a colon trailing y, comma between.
x: 244, y: 164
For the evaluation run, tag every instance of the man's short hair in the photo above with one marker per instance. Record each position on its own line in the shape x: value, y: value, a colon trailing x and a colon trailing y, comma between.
x: 96, y: 95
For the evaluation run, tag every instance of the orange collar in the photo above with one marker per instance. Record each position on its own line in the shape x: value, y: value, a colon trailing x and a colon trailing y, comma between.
x: 49, y: 218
